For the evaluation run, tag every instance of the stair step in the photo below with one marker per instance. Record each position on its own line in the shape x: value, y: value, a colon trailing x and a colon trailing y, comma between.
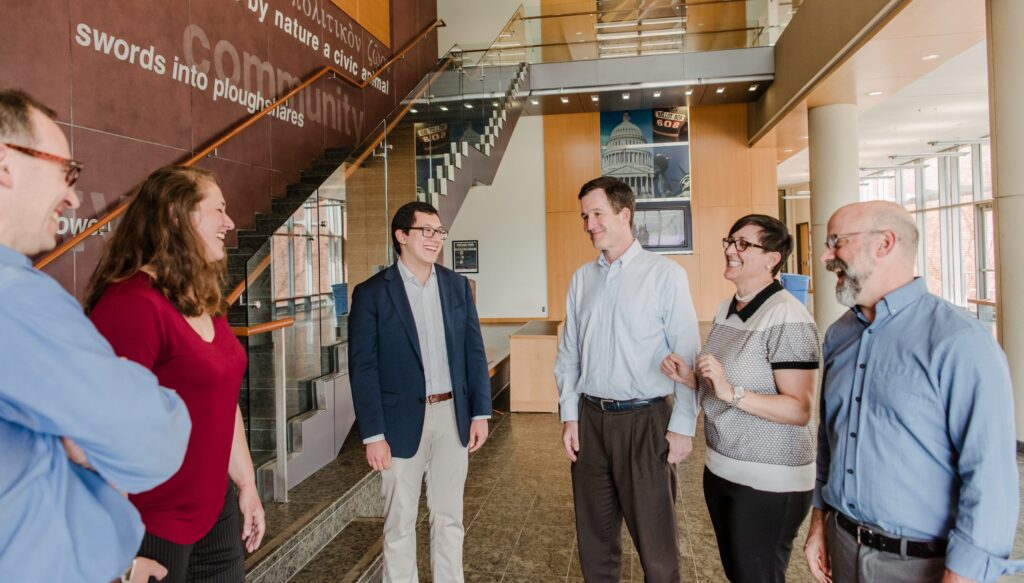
x: 348, y: 555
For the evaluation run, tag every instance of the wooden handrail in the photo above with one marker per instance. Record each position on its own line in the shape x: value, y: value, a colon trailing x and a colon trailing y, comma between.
x: 247, y: 331
x: 349, y: 171
x: 980, y: 302
x: 234, y: 131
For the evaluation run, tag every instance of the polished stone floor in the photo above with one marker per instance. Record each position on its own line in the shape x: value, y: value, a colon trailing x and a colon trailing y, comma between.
x: 520, y: 521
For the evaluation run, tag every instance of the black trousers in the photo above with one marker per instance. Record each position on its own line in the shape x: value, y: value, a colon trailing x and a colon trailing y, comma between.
x: 755, y: 529
x: 622, y: 471
x: 218, y: 557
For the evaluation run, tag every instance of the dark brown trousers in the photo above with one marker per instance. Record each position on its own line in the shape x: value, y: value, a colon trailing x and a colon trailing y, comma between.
x: 622, y: 471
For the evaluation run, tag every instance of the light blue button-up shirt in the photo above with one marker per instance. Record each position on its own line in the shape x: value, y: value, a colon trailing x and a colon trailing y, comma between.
x: 59, y: 377
x: 917, y: 436
x: 621, y: 320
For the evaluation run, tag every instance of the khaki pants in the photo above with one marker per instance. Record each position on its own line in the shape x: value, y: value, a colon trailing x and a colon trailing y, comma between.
x: 445, y: 461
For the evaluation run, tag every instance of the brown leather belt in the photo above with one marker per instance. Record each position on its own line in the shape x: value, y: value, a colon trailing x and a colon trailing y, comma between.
x: 879, y: 541
x: 435, y: 399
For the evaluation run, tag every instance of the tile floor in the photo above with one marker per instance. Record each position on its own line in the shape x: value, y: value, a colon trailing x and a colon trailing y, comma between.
x: 520, y: 521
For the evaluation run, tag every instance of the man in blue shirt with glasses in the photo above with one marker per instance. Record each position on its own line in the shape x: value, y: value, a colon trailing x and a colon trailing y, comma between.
x: 78, y: 426
x: 917, y: 473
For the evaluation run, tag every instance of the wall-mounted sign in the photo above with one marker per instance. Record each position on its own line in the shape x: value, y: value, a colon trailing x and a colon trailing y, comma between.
x: 466, y: 256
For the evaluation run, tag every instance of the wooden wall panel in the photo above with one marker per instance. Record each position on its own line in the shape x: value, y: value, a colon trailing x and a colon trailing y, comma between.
x: 719, y: 156
x: 572, y: 156
x: 568, y: 249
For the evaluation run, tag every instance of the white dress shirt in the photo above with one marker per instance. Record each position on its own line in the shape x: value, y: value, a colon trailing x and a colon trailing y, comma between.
x: 621, y: 321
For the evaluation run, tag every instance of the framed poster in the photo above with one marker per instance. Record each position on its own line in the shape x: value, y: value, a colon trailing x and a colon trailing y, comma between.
x: 466, y: 256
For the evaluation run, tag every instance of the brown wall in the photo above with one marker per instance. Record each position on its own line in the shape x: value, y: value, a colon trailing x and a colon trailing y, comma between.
x: 729, y: 180
x: 124, y: 120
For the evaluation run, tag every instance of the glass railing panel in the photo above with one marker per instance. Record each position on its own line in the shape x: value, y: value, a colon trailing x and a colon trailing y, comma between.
x: 257, y: 398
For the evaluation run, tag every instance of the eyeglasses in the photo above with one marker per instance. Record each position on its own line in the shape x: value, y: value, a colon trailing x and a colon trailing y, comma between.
x: 429, y: 232
x: 832, y: 242
x: 741, y: 244
x: 72, y: 168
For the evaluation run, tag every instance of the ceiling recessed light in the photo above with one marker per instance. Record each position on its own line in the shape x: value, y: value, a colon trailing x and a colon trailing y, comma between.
x: 565, y: 100
x: 753, y: 87
x: 413, y: 111
x: 469, y: 106
x: 689, y: 92
x: 930, y: 57
x: 578, y: 33
x: 494, y: 103
x: 534, y: 102
x: 594, y: 98
x: 875, y: 93
x: 656, y: 94
x: 720, y: 90
x: 788, y: 150
x: 443, y: 108
x: 625, y: 95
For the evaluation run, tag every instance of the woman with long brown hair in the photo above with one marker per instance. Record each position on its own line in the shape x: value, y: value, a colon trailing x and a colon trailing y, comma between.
x: 156, y: 296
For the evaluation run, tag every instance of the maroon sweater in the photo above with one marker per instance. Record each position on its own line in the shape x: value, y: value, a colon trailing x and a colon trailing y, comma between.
x: 143, y: 325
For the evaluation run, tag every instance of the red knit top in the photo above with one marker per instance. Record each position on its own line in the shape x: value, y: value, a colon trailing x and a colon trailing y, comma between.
x: 143, y: 325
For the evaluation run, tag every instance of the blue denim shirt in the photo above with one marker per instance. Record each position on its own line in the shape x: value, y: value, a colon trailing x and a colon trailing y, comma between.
x: 917, y: 432
x: 59, y: 377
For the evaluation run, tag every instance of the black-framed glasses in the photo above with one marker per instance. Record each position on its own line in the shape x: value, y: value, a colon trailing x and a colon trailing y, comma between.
x: 741, y: 244
x: 429, y: 232
x: 72, y: 168
x: 832, y: 242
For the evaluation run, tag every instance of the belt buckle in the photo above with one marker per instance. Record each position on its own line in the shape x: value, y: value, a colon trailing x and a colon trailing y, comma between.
x: 861, y: 530
x: 609, y: 401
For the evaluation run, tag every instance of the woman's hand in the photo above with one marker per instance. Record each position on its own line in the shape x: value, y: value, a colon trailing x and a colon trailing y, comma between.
x: 709, y: 368
x: 674, y: 367
x: 253, y: 521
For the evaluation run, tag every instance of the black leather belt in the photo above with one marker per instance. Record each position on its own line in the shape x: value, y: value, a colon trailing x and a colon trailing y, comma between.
x: 878, y: 541
x: 620, y: 406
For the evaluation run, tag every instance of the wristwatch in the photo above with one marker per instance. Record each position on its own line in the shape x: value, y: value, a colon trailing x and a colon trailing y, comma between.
x: 738, y: 393
x: 129, y: 573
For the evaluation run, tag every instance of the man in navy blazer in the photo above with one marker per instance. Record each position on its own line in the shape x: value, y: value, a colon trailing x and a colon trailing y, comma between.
x: 421, y: 390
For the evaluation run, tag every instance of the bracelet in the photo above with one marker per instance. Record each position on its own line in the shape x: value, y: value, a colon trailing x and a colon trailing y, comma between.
x: 129, y: 573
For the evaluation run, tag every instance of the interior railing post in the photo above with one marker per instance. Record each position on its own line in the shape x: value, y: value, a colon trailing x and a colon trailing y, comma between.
x: 280, y: 418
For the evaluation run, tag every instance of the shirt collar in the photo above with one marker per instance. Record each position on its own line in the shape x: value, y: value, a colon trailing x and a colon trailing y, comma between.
x: 758, y: 301
x: 12, y: 257
x: 631, y: 253
x: 407, y: 275
x: 897, y: 299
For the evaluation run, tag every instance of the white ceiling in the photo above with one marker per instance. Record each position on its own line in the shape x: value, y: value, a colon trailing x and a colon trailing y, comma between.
x: 948, y: 103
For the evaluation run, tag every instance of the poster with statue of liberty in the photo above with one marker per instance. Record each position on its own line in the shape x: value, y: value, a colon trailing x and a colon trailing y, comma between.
x: 649, y: 149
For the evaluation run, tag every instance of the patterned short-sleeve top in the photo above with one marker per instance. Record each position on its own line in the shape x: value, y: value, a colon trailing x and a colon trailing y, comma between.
x: 774, y: 331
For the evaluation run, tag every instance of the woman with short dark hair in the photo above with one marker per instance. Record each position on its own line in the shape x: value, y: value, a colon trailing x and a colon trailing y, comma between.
x: 756, y: 380
x: 156, y: 297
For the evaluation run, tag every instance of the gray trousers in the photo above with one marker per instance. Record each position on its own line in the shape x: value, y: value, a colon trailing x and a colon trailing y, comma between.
x: 852, y: 563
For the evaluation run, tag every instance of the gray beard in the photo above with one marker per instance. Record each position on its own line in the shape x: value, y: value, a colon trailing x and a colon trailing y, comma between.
x: 848, y: 290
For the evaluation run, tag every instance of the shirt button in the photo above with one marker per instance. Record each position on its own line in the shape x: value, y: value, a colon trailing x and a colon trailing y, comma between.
x: 849, y: 472
x: 870, y: 331
x: 852, y: 506
x: 853, y: 434
x: 862, y: 365
x: 857, y: 399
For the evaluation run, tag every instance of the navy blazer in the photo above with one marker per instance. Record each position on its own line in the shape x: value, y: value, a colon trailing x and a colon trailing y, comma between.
x: 386, y: 366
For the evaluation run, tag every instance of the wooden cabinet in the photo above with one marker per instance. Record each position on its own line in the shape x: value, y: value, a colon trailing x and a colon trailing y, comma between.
x: 533, y: 348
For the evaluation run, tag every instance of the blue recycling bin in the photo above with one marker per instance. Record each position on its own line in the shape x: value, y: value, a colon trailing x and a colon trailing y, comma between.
x: 340, y: 292
x: 797, y: 285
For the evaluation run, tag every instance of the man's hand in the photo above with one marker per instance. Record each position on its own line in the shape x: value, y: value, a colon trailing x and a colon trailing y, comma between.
x: 571, y: 439
x: 477, y: 434
x: 254, y: 524
x: 675, y: 368
x: 951, y: 577
x: 75, y: 453
x: 146, y: 568
x: 378, y: 454
x: 816, y: 549
x: 679, y: 447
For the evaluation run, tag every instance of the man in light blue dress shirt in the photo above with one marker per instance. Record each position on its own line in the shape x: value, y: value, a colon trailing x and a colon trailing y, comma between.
x: 62, y: 520
x: 625, y: 312
x: 917, y: 476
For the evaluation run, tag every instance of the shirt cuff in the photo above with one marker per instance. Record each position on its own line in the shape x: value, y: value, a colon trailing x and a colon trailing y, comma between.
x: 973, y: 562
x: 479, y: 417
x: 682, y: 424
x: 373, y: 438
x: 569, y: 407
x: 818, y: 499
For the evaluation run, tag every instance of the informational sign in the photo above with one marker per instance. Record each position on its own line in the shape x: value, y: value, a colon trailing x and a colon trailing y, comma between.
x: 466, y: 256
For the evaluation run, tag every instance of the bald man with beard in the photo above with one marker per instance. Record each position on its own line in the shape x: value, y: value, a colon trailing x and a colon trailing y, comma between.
x: 916, y: 472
